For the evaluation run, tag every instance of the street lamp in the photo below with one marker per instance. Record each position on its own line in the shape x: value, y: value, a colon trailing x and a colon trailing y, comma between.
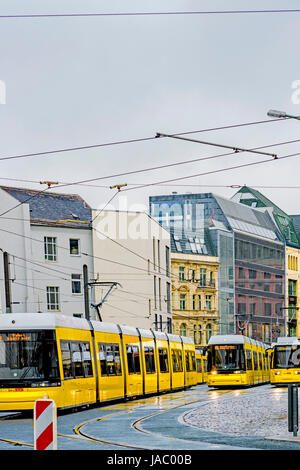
x: 281, y: 114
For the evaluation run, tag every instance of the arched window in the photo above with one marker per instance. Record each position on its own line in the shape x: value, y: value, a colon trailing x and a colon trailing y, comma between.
x: 208, y: 332
x: 183, y: 329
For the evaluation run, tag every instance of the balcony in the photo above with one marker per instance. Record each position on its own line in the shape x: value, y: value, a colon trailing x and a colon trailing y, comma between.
x: 206, y: 284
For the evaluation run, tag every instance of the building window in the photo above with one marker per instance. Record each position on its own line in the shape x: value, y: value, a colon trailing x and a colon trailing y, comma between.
x: 74, y: 246
x: 154, y: 291
x: 76, y: 283
x: 169, y: 325
x: 182, y: 302
x: 154, y: 255
x: 168, y: 297
x: 202, y: 277
x: 159, y: 293
x: 278, y: 309
x: 208, y: 332
x: 195, y: 334
x: 208, y: 302
x: 158, y: 255
x: 181, y: 273
x: 183, y: 329
x: 241, y: 308
x: 196, y: 302
x: 267, y: 308
x: 53, y: 298
x: 50, y: 248
x: 252, y: 309
x: 292, y: 287
x: 252, y: 274
x: 241, y: 273
x: 167, y: 261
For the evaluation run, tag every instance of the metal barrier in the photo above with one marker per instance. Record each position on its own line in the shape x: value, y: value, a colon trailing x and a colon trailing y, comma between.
x: 293, y: 408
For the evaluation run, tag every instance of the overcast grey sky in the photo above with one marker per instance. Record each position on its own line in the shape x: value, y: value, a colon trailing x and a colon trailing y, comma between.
x: 83, y: 81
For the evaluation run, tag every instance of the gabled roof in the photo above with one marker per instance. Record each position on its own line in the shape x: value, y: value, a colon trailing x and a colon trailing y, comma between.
x: 253, y: 198
x: 47, y: 208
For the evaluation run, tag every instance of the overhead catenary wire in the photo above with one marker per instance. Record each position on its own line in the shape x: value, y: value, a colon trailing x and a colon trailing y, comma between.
x: 212, y: 172
x: 146, y: 13
x: 169, y: 165
x: 151, y: 184
x: 135, y: 140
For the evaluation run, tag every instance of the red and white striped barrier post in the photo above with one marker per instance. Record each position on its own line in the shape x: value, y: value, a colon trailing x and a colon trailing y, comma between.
x: 45, y: 425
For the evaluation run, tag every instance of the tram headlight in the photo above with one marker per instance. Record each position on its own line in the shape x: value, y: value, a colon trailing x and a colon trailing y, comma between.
x: 297, y: 372
x: 214, y: 372
x: 236, y: 372
x: 277, y: 373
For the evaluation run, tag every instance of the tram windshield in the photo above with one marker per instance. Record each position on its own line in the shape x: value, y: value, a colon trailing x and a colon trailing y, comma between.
x: 28, y: 358
x: 226, y: 358
x: 286, y: 357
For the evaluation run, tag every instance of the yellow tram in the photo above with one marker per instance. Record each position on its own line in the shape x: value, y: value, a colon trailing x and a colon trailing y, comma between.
x: 78, y: 362
x: 236, y: 360
x: 285, y: 361
x: 201, y: 364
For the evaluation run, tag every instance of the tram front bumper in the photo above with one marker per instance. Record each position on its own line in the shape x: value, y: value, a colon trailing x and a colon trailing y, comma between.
x: 21, y: 399
x: 283, y: 377
x: 219, y: 380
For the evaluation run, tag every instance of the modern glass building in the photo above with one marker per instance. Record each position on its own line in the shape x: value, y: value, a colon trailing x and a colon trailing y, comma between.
x: 251, y: 254
x: 288, y: 226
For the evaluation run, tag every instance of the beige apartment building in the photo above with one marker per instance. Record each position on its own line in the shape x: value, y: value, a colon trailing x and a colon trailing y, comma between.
x: 195, y: 296
x: 132, y: 250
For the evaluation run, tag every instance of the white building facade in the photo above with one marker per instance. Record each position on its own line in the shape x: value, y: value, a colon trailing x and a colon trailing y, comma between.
x: 133, y: 250
x: 43, y: 237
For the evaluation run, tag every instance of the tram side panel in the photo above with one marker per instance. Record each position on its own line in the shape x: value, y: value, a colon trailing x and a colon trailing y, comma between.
x: 77, y: 366
x: 110, y: 366
x: 133, y: 362
x: 176, y: 358
x: 163, y: 362
x: 189, y: 363
x: 150, y: 366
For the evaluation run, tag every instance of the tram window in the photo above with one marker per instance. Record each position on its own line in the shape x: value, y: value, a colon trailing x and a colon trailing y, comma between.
x: 248, y: 359
x: 187, y: 361
x: 77, y: 359
x: 87, y: 360
x: 149, y: 359
x: 133, y: 359
x: 260, y: 361
x: 177, y: 360
x: 190, y: 361
x: 193, y: 359
x: 66, y: 359
x: 199, y: 368
x: 163, y: 359
x: 110, y: 361
x: 255, y: 362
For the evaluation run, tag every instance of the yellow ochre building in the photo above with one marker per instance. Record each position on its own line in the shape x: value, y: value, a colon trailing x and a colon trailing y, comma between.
x: 195, y: 296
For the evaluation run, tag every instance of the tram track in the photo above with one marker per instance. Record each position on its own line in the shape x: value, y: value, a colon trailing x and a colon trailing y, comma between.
x: 137, y: 424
